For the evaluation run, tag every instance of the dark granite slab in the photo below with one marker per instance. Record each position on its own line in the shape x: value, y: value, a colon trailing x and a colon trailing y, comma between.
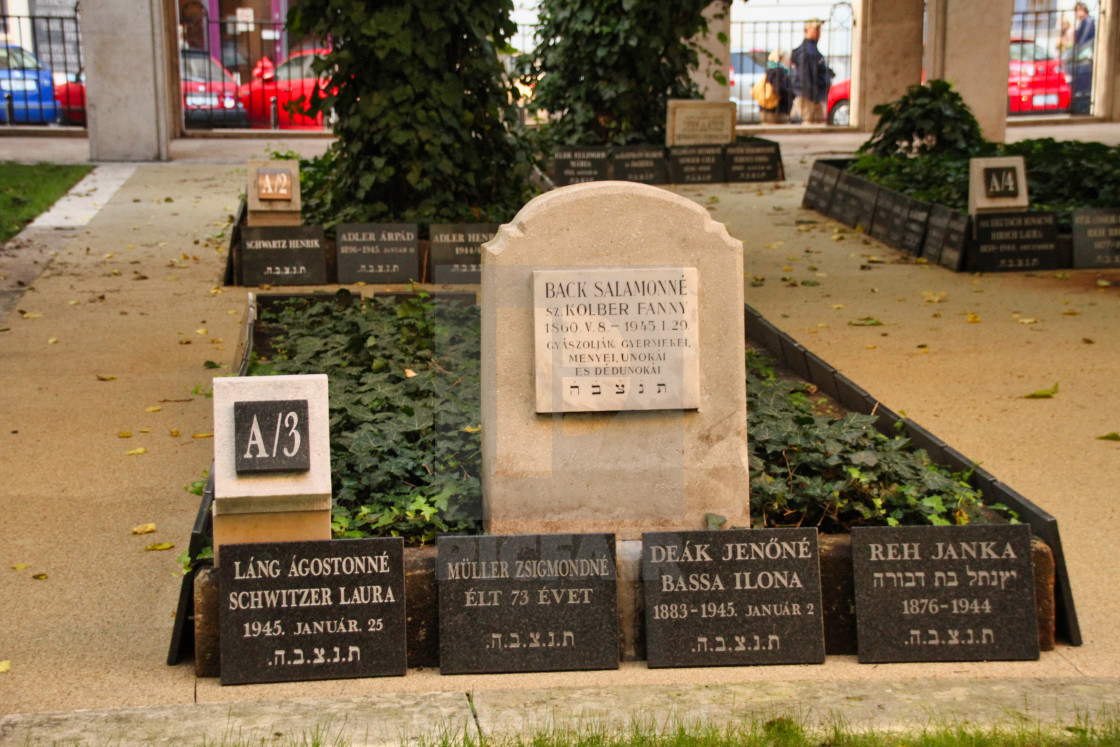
x: 696, y: 164
x: 527, y: 603
x: 732, y: 598
x: 271, y: 436
x: 961, y: 593
x: 756, y: 160
x: 1096, y: 238
x: 294, y: 611
x: 378, y: 253
x: 575, y: 164
x: 1016, y: 241
x: 283, y: 255
x: 639, y: 163
x: 457, y: 251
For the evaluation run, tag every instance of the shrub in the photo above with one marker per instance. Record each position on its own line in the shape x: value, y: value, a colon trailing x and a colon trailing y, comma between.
x: 425, y: 114
x: 605, y: 69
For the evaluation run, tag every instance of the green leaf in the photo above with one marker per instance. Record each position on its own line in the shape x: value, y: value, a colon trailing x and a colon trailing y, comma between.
x: 714, y: 521
x: 1043, y: 393
x: 1113, y: 436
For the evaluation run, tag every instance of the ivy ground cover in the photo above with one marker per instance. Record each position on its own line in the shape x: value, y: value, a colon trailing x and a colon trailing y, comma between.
x: 406, y: 430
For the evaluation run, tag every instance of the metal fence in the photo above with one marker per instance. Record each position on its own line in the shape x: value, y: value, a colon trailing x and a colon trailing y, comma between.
x: 245, y: 73
x: 752, y: 42
x: 1051, y: 68
x: 41, y: 78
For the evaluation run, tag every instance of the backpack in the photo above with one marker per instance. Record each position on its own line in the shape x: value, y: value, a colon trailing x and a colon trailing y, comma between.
x: 765, y: 94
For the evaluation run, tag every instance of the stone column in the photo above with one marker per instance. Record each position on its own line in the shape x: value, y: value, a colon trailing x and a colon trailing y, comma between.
x: 886, y: 57
x: 967, y: 45
x: 1106, y: 63
x: 128, y: 105
x: 717, y: 42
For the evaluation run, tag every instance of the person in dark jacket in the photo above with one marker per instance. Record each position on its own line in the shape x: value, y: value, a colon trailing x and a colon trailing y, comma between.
x: 811, y: 78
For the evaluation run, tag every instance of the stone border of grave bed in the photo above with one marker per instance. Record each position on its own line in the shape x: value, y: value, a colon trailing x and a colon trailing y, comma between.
x: 991, y: 242
x: 197, y: 621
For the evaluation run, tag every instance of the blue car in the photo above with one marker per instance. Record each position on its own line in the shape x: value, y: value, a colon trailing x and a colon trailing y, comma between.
x: 26, y: 88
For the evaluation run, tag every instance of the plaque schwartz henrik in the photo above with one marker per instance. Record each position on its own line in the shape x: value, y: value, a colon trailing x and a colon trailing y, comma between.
x: 616, y: 339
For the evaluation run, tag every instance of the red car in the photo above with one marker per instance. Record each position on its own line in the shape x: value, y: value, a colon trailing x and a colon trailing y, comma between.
x: 290, y: 80
x: 1035, y: 83
x: 209, y: 94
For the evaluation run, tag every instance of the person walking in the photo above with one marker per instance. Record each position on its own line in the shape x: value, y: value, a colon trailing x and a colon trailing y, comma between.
x: 811, y: 77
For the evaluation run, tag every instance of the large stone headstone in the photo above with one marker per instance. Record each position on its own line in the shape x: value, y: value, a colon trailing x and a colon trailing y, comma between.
x: 646, y: 303
x: 272, y: 462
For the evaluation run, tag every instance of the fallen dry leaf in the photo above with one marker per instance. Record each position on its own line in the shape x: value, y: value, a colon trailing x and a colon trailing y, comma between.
x: 174, y: 433
x: 1028, y: 321
x: 106, y: 377
x: 409, y: 373
x: 5, y: 666
x: 159, y: 546
x: 52, y: 340
x: 200, y: 331
x: 136, y: 452
x: 152, y: 408
x: 20, y: 566
x: 40, y: 577
x: 973, y: 318
x: 472, y: 428
x: 1043, y: 393
x: 203, y: 435
x: 124, y: 434
x: 1114, y: 436
x: 144, y: 528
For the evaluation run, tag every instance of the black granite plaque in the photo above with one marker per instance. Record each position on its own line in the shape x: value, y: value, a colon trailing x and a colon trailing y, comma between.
x: 527, y: 603
x: 457, y: 251
x: 853, y: 201
x: 639, y: 163
x: 283, y: 255
x: 271, y: 436
x: 960, y: 593
x: 696, y: 164
x: 1096, y: 238
x: 914, y: 233
x: 1015, y: 241
x: 946, y: 237
x: 755, y: 160
x: 575, y: 164
x: 1000, y: 181
x: 312, y: 610
x: 378, y: 253
x: 732, y: 598
x: 889, y: 217
x: 821, y: 185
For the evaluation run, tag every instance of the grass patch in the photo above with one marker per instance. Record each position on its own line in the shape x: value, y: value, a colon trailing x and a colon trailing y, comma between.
x: 26, y: 190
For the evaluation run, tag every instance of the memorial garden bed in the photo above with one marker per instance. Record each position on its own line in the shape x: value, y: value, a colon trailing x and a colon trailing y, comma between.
x: 405, y: 442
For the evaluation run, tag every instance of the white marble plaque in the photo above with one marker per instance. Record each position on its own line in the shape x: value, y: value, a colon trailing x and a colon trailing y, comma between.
x: 616, y: 339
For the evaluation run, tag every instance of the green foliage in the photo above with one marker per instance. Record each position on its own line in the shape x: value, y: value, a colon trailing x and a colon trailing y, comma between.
x: 939, y: 179
x: 404, y: 410
x: 405, y: 430
x: 1062, y: 176
x: 425, y: 116
x: 188, y: 563
x: 605, y: 69
x: 810, y: 469
x: 928, y: 119
x: 197, y: 487
x: 26, y: 190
